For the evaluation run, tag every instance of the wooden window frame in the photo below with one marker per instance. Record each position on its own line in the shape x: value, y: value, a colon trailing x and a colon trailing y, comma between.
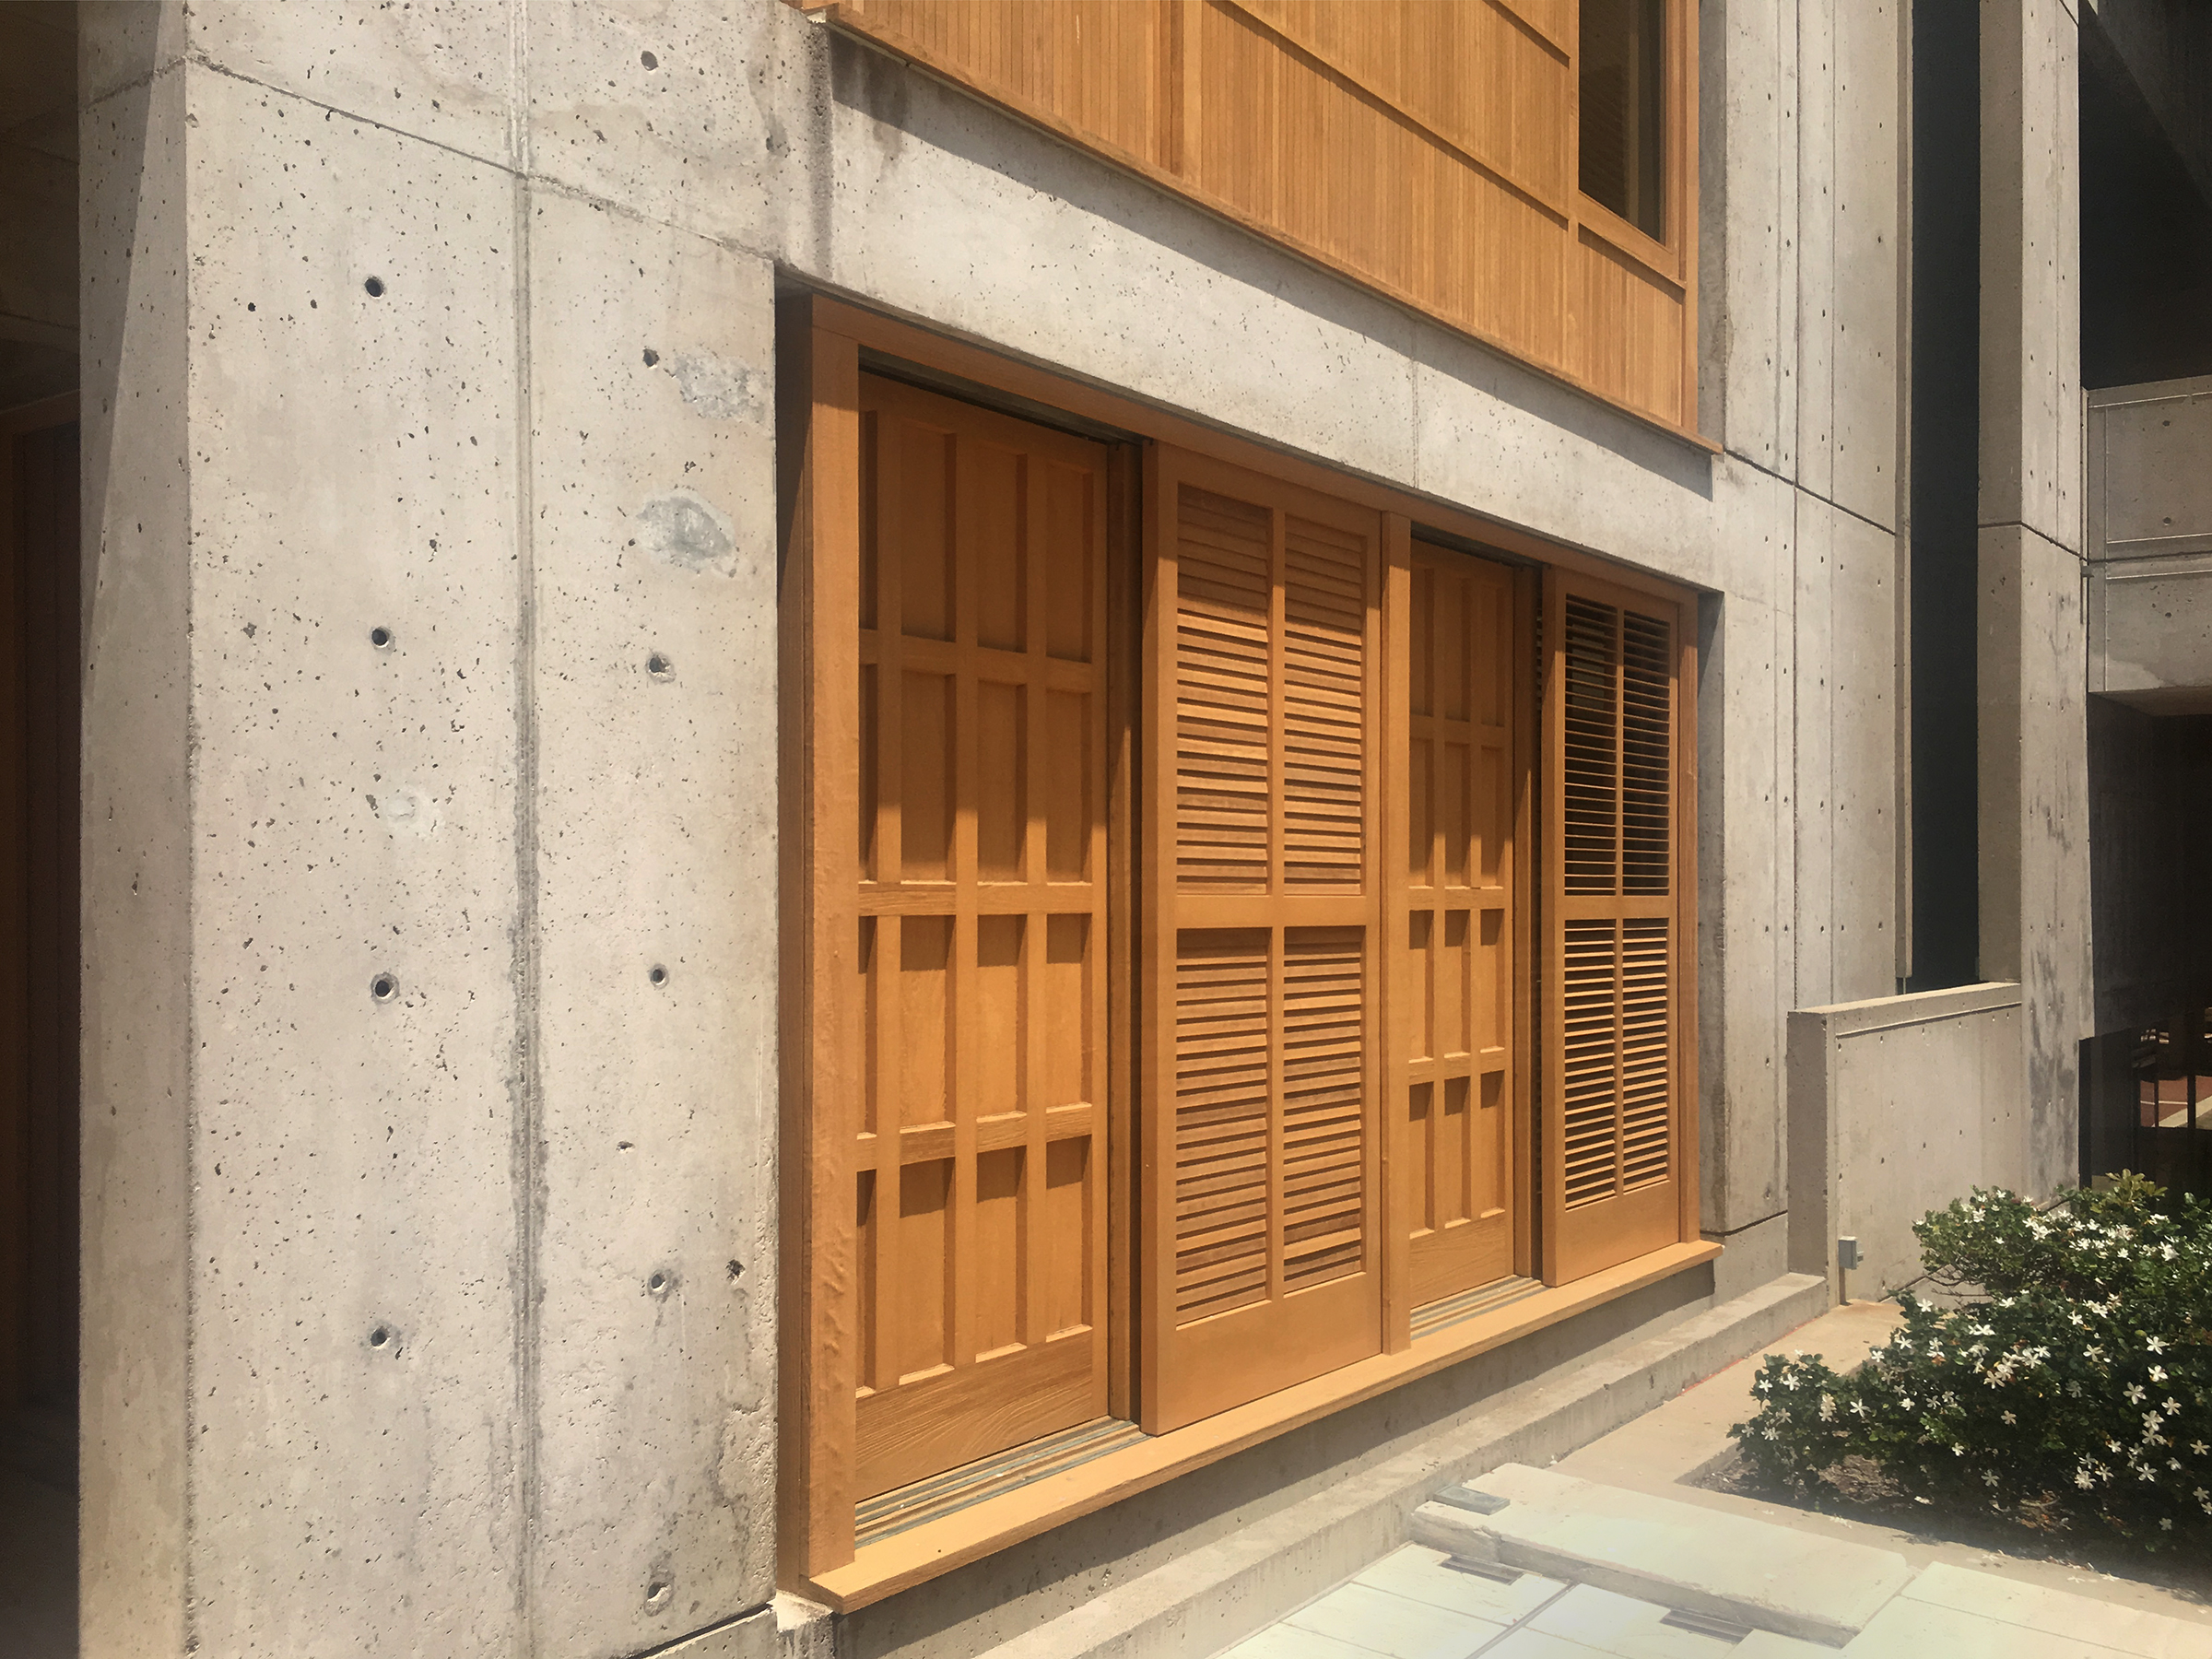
x: 819, y: 344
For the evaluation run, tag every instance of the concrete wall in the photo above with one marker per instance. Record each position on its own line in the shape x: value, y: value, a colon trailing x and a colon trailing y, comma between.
x: 2032, y: 661
x: 1899, y: 1105
x: 472, y: 1283
x: 2149, y: 542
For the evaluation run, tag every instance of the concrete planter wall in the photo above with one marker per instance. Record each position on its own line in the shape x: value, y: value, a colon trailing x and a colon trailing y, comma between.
x: 1899, y: 1105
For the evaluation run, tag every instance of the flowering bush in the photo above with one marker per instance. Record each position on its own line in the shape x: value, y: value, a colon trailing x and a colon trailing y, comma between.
x: 2077, y: 1388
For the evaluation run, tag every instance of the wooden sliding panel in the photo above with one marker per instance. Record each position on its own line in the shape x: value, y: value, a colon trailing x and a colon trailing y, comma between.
x: 1459, y: 1072
x: 1261, y: 926
x: 977, y: 1198
x: 1616, y: 966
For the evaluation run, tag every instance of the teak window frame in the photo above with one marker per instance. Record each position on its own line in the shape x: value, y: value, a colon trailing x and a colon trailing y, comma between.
x: 820, y: 343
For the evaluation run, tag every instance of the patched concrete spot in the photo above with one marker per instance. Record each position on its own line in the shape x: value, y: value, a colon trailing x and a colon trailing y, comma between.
x: 406, y: 811
x: 683, y: 528
x: 718, y: 389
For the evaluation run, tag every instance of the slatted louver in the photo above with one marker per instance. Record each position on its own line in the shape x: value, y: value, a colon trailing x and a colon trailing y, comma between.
x: 1614, y: 964
x: 1260, y: 1191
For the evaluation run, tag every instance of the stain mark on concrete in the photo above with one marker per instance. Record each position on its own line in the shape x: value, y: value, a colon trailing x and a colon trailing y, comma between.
x: 719, y: 389
x: 683, y: 528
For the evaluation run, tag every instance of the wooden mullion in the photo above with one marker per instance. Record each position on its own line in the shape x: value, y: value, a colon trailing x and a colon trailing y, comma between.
x: 1683, y: 964
x: 1277, y: 892
x: 1120, y: 553
x: 1389, y: 943
x: 1037, y: 920
x: 819, y: 733
x: 962, y: 990
x: 1159, y: 920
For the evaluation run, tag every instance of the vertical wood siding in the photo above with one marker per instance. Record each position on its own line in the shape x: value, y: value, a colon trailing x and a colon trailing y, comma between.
x: 1425, y: 147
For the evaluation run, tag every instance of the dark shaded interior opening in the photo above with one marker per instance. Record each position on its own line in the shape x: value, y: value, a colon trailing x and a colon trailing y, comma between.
x: 1622, y: 89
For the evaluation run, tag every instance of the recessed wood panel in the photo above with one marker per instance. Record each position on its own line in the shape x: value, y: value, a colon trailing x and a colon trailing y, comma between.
x: 1424, y: 148
x: 983, y: 926
x: 1456, y: 969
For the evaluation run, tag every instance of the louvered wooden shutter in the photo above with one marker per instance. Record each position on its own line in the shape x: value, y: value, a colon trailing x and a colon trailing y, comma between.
x: 1615, y: 962
x: 1261, y: 1147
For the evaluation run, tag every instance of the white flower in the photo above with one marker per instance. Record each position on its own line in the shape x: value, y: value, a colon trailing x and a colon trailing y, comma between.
x: 1859, y: 1406
x: 2157, y: 1344
x: 2166, y: 1523
x: 2171, y: 1405
x: 2135, y: 1394
x: 1980, y: 1331
x: 1773, y: 1433
x: 2083, y: 1479
x: 2151, y: 1420
x: 1828, y: 1408
x: 2169, y: 1252
x: 1763, y: 1385
x: 2198, y: 1448
x: 2158, y: 1373
x: 2092, y: 1352
x: 1957, y: 1450
x: 1989, y: 1477
x: 2009, y: 1419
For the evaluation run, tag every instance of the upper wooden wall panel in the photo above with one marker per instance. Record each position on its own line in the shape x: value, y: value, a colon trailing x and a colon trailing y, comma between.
x: 1468, y: 72
x: 1424, y: 148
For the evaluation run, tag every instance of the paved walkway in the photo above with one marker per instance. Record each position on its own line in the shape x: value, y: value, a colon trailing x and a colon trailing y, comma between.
x: 1610, y: 1555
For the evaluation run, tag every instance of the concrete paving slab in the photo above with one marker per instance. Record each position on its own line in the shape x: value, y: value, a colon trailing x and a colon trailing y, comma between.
x: 1290, y: 1641
x: 1765, y: 1644
x: 1625, y: 1628
x: 1917, y: 1630
x: 2059, y: 1613
x: 1727, y: 1567
x: 1394, y: 1626
x: 1685, y: 1439
x: 1525, y: 1643
x: 1420, y: 1574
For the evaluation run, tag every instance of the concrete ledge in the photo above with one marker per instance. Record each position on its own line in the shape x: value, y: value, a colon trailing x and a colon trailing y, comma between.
x: 1680, y: 1556
x: 1203, y: 1601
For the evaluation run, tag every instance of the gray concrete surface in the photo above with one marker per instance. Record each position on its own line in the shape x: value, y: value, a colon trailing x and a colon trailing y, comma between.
x: 2149, y: 544
x: 1899, y: 1105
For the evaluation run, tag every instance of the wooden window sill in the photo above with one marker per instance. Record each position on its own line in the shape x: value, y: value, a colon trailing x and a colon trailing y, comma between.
x: 924, y: 1552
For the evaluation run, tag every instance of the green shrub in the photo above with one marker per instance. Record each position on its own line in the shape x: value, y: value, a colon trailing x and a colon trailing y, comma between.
x: 2074, y: 1388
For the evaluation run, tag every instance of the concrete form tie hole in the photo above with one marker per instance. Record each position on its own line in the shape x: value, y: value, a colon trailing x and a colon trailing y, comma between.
x: 657, y: 974
x: 375, y: 286
x: 383, y: 987
x: 380, y: 638
x: 647, y: 59
x: 658, y: 1284
x: 379, y: 1338
x: 659, y: 666
x: 656, y: 1594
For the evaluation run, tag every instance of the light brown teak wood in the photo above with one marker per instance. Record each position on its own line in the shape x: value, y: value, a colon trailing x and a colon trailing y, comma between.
x: 1262, y: 1140
x: 1460, y: 689
x: 1424, y: 148
x: 1618, y: 1179
x: 979, y: 1201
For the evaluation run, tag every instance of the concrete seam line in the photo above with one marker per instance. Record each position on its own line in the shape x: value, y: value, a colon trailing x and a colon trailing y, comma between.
x: 734, y: 1620
x: 1802, y: 489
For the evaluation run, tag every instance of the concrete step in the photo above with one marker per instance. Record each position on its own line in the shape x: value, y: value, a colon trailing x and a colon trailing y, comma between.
x: 1678, y: 1554
x: 1205, y: 1600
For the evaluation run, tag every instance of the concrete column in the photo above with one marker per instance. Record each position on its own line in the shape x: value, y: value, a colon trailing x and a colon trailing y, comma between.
x: 2033, y: 661
x: 430, y: 860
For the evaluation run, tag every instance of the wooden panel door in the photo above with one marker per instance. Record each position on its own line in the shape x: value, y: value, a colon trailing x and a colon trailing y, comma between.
x: 1261, y: 1139
x: 980, y: 1198
x: 1458, y: 1074
x: 1615, y: 957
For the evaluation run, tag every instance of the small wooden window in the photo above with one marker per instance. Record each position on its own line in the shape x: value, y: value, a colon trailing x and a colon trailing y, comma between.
x: 1623, y: 87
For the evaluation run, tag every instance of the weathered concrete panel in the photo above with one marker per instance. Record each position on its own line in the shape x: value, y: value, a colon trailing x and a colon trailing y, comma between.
x: 1816, y: 274
x: 1866, y: 248
x: 2030, y: 253
x: 1749, y: 246
x: 136, y: 1044
x: 438, y: 69
x: 1899, y: 1105
x: 2034, y: 818
x: 1813, y: 751
x: 652, y: 492
x: 1862, y: 769
x: 2151, y: 624
x: 2149, y: 470
x: 353, y: 806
